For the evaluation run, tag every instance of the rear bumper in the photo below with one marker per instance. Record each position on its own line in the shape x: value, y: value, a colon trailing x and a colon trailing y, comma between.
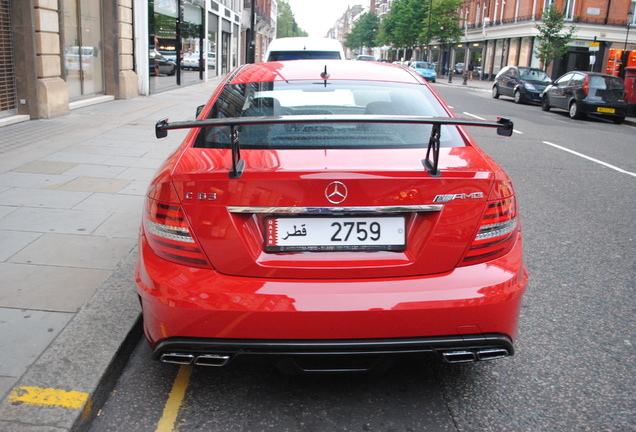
x: 183, y: 303
x: 590, y: 107
x: 332, y: 355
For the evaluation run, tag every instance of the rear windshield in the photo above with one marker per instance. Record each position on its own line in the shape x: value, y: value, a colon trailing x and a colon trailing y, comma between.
x: 283, y: 98
x: 303, y: 55
x: 605, y: 83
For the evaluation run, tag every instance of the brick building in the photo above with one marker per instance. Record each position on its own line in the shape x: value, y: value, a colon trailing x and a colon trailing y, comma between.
x: 502, y: 32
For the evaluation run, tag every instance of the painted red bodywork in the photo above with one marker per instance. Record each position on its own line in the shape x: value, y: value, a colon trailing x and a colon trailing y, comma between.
x: 247, y: 293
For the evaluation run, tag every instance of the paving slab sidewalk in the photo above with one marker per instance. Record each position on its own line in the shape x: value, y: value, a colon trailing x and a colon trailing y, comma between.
x: 71, y: 193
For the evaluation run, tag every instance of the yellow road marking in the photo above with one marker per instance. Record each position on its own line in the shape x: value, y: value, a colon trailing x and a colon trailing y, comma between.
x: 47, y: 397
x: 171, y: 410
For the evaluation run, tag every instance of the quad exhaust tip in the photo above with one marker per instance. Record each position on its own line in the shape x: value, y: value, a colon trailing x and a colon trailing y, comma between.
x: 469, y: 356
x: 215, y: 360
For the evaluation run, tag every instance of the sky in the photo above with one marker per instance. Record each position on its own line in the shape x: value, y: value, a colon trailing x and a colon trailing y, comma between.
x: 317, y: 17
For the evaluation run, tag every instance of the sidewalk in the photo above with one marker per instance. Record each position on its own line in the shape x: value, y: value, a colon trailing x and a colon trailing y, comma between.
x: 71, y: 193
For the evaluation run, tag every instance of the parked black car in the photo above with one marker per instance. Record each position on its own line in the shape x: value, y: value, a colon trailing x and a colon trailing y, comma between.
x: 524, y: 84
x: 582, y: 93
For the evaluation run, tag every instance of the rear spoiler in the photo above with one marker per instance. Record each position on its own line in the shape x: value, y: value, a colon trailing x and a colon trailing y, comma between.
x: 504, y: 128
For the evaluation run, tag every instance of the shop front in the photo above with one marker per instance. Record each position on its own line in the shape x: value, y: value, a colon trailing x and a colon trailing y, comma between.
x: 176, y: 47
x: 619, y: 58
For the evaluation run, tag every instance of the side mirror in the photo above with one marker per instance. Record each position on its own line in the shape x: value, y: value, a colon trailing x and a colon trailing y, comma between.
x: 159, y: 131
x: 506, y: 127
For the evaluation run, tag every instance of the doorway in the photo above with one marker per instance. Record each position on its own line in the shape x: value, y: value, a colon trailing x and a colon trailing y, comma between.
x: 83, y: 57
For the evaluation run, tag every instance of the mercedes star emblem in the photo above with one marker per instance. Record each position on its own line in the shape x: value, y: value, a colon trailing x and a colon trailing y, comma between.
x: 336, y: 192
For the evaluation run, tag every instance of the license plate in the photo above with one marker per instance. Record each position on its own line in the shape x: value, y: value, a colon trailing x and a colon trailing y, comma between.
x: 320, y: 234
x: 606, y: 110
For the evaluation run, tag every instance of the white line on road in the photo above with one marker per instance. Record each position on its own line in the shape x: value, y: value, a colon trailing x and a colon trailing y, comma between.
x: 474, y: 116
x: 620, y: 170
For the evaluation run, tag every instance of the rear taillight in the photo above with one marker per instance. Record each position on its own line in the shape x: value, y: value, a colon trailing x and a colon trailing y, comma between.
x: 169, y: 234
x: 497, y: 232
x: 586, y: 85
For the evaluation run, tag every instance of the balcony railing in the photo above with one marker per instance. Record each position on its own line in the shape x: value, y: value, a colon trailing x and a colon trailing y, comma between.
x: 528, y: 18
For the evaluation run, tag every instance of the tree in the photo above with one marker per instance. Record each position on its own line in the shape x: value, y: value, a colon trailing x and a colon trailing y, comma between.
x: 407, y: 24
x: 400, y: 26
x: 552, y: 45
x: 286, y: 25
x: 364, y: 32
x: 445, y: 22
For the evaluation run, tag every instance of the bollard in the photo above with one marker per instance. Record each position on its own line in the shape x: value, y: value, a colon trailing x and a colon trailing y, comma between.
x: 450, y: 76
x: 465, y: 78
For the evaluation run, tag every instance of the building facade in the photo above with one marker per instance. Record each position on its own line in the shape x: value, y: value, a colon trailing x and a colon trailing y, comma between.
x: 498, y: 33
x: 57, y: 55
x: 57, y: 52
x: 343, y: 26
x: 502, y: 32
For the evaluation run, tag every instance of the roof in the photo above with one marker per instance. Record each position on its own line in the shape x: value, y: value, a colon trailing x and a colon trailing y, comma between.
x: 312, y: 69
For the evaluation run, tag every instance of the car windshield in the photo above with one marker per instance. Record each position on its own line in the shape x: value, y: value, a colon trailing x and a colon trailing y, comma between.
x: 533, y: 75
x: 303, y: 55
x: 423, y: 65
x: 327, y: 98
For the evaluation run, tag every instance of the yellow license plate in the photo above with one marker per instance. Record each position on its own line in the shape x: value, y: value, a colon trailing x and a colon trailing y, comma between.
x: 606, y: 110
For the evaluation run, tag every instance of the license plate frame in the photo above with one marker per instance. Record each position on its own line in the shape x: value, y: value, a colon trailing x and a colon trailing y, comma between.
x: 323, y: 234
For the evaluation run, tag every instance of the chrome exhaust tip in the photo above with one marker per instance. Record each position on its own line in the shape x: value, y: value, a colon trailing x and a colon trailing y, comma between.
x: 459, y: 356
x: 492, y: 354
x: 177, y: 358
x: 215, y: 360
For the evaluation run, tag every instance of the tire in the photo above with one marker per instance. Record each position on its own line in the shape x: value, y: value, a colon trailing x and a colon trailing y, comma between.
x: 545, y: 104
x: 495, y: 92
x: 575, y: 111
x: 518, y: 97
x: 618, y: 120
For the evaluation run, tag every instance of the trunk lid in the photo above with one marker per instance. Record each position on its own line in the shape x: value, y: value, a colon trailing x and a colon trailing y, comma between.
x: 229, y: 216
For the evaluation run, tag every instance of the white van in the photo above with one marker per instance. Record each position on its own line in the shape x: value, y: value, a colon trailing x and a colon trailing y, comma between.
x: 302, y: 48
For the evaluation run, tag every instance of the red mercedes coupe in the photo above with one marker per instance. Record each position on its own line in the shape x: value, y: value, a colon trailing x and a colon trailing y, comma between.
x: 329, y: 215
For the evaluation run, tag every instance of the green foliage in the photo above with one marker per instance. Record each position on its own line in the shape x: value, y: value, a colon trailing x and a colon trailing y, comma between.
x: 407, y: 24
x: 402, y: 24
x: 286, y: 25
x: 364, y: 32
x: 444, y: 23
x: 550, y: 43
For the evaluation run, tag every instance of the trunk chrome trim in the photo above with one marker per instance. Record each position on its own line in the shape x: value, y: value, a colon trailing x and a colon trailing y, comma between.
x: 337, y: 210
